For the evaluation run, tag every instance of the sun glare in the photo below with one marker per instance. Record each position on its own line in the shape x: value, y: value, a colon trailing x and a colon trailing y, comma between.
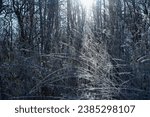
x: 87, y: 3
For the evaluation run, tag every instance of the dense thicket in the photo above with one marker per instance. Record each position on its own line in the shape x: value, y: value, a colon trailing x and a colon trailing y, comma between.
x: 57, y: 49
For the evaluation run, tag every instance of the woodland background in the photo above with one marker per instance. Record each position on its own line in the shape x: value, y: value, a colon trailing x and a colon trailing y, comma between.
x: 56, y: 49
